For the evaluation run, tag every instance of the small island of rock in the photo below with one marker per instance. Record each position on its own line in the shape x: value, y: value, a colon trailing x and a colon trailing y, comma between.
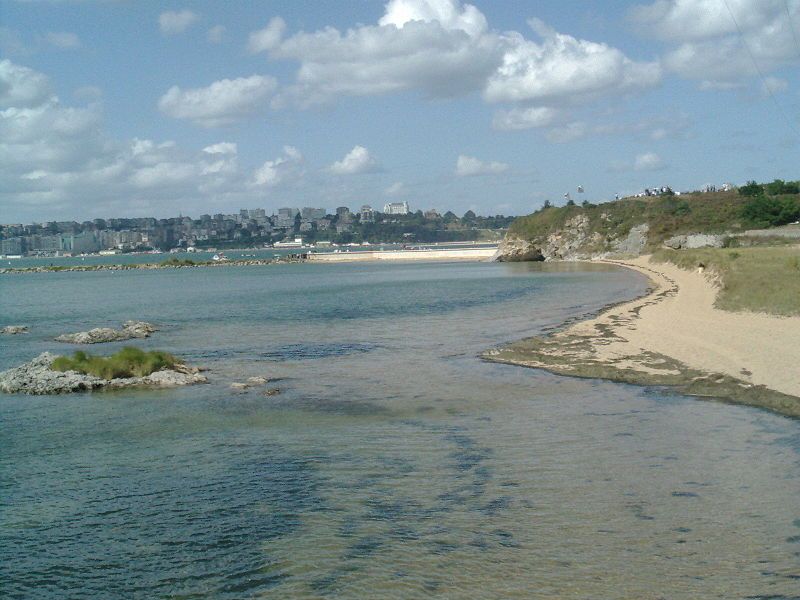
x: 131, y: 367
x: 130, y: 330
x: 13, y: 329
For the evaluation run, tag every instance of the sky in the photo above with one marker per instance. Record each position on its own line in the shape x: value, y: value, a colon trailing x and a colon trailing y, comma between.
x: 144, y: 108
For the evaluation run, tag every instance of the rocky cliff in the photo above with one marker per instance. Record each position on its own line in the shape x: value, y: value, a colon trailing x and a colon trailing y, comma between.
x: 628, y: 227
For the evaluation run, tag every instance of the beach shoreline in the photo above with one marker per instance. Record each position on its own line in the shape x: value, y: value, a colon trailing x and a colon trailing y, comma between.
x: 674, y: 336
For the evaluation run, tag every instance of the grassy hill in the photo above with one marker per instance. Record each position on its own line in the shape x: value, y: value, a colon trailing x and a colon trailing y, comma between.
x: 715, y: 212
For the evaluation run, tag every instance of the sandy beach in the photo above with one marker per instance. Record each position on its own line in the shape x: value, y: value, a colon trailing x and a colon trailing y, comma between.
x: 675, y: 336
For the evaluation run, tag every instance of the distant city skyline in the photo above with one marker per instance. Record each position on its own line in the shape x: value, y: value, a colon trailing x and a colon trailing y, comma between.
x: 149, y: 109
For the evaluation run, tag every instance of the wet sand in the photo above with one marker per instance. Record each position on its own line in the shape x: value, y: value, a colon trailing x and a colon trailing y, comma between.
x: 675, y: 336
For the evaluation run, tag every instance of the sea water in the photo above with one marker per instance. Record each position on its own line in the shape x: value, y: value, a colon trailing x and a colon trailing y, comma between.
x: 394, y: 463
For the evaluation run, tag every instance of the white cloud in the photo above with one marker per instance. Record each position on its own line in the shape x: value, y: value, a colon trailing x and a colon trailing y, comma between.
x: 63, y: 39
x: 568, y: 133
x: 773, y: 85
x: 717, y: 41
x: 163, y: 174
x: 221, y: 103
x: 281, y: 170
x: 268, y: 38
x: 216, y: 34
x: 358, y: 160
x: 564, y: 69
x: 395, y: 189
x: 524, y: 118
x: 438, y: 47
x: 449, y: 14
x: 687, y: 20
x: 467, y: 166
x: 174, y: 22
x: 21, y: 87
x: 649, y: 161
x: 445, y: 48
x: 221, y: 148
x: 653, y: 128
x: 57, y: 158
x: 88, y: 93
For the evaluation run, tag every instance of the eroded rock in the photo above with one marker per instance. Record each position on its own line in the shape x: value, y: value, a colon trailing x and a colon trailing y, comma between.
x: 13, y: 329
x: 130, y: 330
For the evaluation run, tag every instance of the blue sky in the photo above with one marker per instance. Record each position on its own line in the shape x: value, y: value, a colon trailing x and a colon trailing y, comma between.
x: 159, y: 108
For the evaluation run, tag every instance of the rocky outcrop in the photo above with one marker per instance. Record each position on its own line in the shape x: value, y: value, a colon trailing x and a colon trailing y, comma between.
x: 36, y: 378
x: 695, y: 240
x: 570, y: 242
x: 13, y: 329
x: 130, y: 330
x: 253, y: 382
x: 517, y: 250
x: 574, y: 241
x: 634, y: 242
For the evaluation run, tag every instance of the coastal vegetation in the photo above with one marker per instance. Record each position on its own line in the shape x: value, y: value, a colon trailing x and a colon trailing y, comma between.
x: 666, y: 216
x: 750, y: 279
x: 753, y: 206
x: 174, y: 261
x: 128, y: 362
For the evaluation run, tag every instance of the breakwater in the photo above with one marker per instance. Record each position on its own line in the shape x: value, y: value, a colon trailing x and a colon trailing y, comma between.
x: 407, y: 255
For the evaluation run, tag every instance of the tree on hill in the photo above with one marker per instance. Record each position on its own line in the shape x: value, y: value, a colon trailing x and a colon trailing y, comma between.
x: 752, y: 189
x: 771, y: 211
x: 780, y: 187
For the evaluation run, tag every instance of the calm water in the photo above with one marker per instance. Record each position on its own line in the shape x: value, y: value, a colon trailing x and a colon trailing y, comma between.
x: 394, y: 463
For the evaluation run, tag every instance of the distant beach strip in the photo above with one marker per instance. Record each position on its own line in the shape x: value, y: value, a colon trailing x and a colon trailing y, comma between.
x: 301, y: 255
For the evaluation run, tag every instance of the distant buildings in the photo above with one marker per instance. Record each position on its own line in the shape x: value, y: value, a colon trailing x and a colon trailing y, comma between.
x: 366, y: 214
x: 249, y: 227
x: 396, y: 208
x: 311, y: 214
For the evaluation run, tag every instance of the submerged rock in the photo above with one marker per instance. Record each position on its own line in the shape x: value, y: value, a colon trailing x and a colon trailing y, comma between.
x: 13, y: 329
x: 130, y: 330
x: 36, y: 377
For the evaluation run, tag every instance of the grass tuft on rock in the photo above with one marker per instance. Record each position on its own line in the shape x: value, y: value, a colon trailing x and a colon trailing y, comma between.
x: 128, y: 362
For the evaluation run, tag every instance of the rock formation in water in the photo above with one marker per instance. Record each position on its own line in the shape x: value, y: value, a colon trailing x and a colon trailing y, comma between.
x: 13, y: 329
x: 37, y: 377
x: 130, y: 330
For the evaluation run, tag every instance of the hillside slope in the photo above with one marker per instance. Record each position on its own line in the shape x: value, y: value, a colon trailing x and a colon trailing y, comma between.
x: 630, y: 226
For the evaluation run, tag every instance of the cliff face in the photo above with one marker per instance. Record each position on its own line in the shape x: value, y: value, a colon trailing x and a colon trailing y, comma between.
x: 575, y: 240
x: 628, y: 227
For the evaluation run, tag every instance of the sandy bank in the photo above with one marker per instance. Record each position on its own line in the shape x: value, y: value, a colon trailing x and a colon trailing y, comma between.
x: 675, y: 336
x: 406, y: 255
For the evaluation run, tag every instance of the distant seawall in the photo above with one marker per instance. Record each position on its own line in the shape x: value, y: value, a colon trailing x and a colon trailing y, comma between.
x: 475, y: 254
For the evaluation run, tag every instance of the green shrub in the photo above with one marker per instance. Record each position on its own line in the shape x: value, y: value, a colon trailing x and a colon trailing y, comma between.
x: 771, y: 211
x: 128, y: 362
x: 751, y: 189
x: 174, y: 261
x: 780, y: 187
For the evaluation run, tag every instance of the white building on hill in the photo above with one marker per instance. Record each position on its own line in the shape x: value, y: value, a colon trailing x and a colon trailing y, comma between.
x: 396, y: 208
